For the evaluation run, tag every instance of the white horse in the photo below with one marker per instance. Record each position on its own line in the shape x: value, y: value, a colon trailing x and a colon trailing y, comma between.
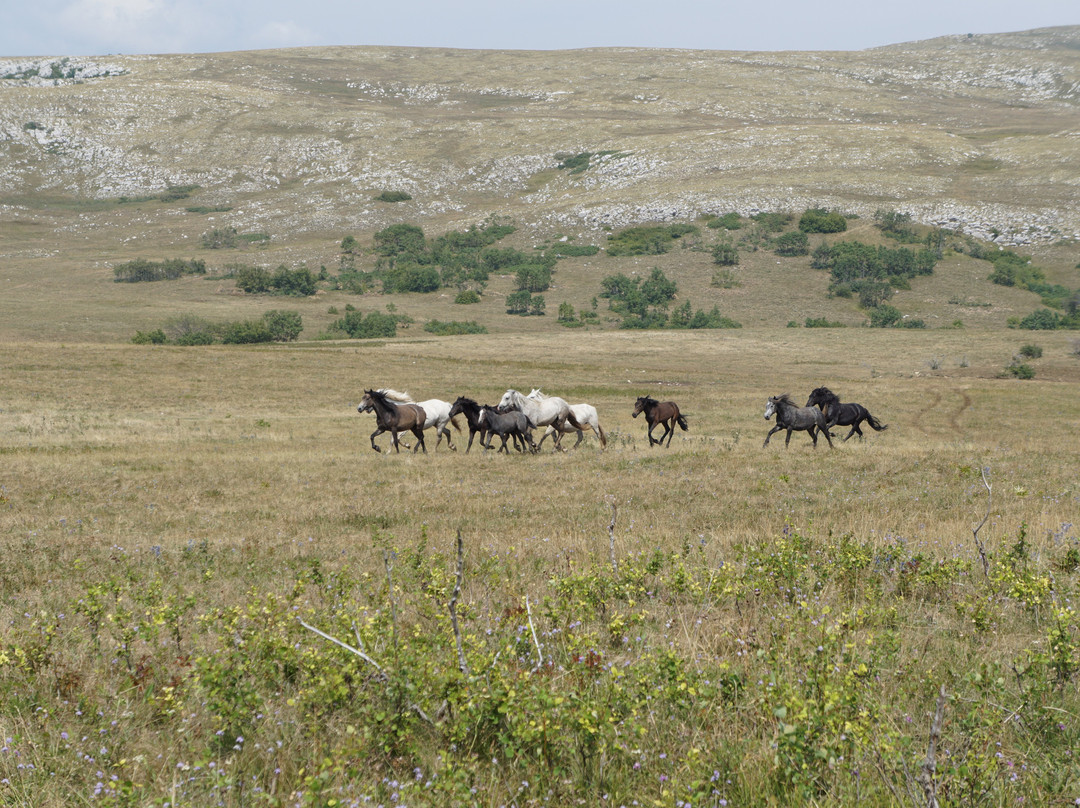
x: 584, y: 414
x: 437, y: 411
x: 551, y: 411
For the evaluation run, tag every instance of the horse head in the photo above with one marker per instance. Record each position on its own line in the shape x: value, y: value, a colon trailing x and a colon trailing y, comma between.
x: 773, y: 404
x: 822, y: 397
x: 511, y: 400
x: 366, y: 404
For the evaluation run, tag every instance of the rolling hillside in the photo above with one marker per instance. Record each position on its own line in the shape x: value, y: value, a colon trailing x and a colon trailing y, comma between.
x: 975, y: 134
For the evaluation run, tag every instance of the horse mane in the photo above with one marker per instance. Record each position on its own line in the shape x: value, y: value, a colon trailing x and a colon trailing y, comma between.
x: 648, y: 399
x: 536, y: 394
x: 394, y: 395
x: 828, y: 396
x: 786, y: 399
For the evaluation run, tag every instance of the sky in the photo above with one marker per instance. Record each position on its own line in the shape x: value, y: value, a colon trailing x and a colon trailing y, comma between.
x: 101, y: 27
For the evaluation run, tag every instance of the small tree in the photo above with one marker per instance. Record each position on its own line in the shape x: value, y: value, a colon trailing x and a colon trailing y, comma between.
x: 566, y: 313
x: 885, y: 316
x: 518, y: 302
x: 725, y: 254
x: 284, y: 326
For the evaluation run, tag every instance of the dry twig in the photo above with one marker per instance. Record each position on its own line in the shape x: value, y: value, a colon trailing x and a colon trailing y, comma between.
x: 462, y: 664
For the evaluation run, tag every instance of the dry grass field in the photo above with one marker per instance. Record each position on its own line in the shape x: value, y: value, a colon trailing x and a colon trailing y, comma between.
x: 167, y: 514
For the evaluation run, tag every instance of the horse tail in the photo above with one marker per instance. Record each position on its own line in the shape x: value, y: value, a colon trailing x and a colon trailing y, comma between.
x: 603, y: 435
x: 454, y: 421
x: 875, y: 423
x: 574, y: 421
x: 680, y: 419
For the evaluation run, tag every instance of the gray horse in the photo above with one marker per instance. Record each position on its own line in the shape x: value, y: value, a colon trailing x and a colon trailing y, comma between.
x: 791, y: 416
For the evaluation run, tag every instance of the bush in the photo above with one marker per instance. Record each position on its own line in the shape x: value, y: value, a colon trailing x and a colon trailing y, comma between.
x: 1031, y: 351
x: 1042, y: 320
x: 411, y: 278
x: 141, y: 270
x: 295, y: 282
x: 467, y: 297
x: 772, y: 222
x: 284, y: 326
x: 818, y: 220
x: 792, y: 244
x: 658, y: 289
x: 822, y: 322
x: 393, y: 196
x: 729, y: 221
x: 1020, y: 371
x: 454, y: 327
x: 647, y: 240
x: 885, y: 316
x: 253, y: 280
x: 533, y: 278
x: 246, y: 332
x: 359, y: 326
x: 574, y: 250
x: 220, y: 238
x: 155, y: 337
x: 725, y: 254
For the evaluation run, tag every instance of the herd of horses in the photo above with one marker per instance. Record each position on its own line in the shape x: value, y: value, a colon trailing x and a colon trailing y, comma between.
x: 516, y: 416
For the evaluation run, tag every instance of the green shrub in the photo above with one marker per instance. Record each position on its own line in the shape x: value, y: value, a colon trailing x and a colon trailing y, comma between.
x: 885, y: 316
x: 729, y: 221
x: 1042, y: 320
x: 284, y: 326
x: 467, y: 297
x: 246, y: 332
x: 359, y: 326
x: 523, y: 302
x: 658, y: 289
x: 195, y: 338
x: 772, y: 222
x: 252, y: 280
x: 818, y: 220
x: 574, y: 250
x: 791, y: 244
x: 647, y: 240
x: 155, y: 337
x: 1031, y: 351
x: 411, y: 278
x: 533, y: 278
x: 220, y: 238
x: 294, y: 282
x: 454, y: 327
x: 1020, y: 371
x: 566, y: 313
x: 822, y: 322
x: 393, y: 196
x: 724, y: 279
x: 141, y: 270
x: 725, y: 254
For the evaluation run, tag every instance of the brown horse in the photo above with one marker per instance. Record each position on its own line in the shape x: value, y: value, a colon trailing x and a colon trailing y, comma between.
x: 393, y: 418
x: 665, y: 413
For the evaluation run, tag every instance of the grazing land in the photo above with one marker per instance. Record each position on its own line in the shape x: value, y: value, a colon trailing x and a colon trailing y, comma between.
x: 702, y: 623
x: 215, y: 593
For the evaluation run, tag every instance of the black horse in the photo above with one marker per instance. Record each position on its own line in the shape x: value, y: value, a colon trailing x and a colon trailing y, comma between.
x: 471, y: 410
x: 791, y: 416
x: 837, y: 414
x: 506, y: 425
x: 665, y: 413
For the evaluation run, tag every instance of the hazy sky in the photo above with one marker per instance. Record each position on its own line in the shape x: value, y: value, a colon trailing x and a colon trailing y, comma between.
x: 97, y: 27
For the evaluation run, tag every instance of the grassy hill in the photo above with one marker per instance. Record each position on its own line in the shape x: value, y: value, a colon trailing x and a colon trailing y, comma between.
x: 975, y: 134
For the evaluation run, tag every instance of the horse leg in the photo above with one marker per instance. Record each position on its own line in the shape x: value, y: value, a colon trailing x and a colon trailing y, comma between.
x: 374, y: 435
x: 394, y: 440
x: 776, y: 428
x: 669, y: 432
x: 418, y: 430
x: 828, y: 437
x: 652, y: 426
x: 786, y: 442
x: 855, y: 430
x: 580, y: 438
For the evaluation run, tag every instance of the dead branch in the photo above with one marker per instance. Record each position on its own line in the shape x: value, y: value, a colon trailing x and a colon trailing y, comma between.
x: 929, y: 765
x: 344, y: 645
x: 611, y: 536
x: 539, y: 653
x: 462, y: 664
x: 978, y: 542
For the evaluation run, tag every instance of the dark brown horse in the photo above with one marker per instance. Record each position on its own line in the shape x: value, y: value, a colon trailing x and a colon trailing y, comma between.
x: 393, y: 418
x: 665, y: 413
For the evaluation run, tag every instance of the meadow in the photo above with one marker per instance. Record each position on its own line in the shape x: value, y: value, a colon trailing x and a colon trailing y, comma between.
x: 891, y: 622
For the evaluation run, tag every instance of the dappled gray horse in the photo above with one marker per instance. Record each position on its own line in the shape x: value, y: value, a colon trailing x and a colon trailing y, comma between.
x: 791, y: 416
